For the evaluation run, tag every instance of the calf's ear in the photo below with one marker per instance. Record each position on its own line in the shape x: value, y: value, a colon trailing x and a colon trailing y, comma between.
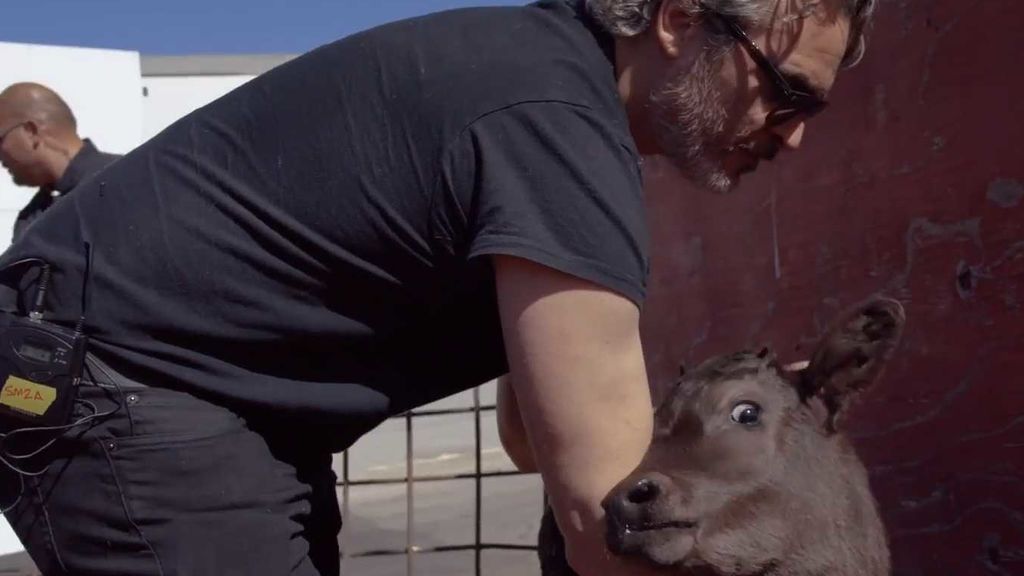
x: 851, y: 354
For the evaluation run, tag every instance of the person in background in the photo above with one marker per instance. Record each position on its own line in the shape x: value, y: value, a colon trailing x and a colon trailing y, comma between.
x: 40, y: 147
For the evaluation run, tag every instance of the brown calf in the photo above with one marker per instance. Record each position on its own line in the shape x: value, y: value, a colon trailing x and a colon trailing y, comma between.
x: 747, y: 473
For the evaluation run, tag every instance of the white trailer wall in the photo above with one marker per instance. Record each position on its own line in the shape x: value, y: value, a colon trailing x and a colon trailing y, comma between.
x: 167, y: 98
x: 174, y: 86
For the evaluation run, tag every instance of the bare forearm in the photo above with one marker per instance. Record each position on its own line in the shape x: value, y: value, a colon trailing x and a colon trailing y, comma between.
x: 579, y: 378
x: 510, y: 428
x: 588, y: 434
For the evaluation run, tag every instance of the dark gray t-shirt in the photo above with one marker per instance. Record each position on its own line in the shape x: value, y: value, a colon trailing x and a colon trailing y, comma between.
x: 315, y: 242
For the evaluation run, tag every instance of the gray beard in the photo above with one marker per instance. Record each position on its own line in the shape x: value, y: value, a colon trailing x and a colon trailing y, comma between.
x: 689, y: 122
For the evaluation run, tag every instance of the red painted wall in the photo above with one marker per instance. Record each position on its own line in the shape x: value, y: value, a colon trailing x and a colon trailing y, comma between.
x: 912, y: 184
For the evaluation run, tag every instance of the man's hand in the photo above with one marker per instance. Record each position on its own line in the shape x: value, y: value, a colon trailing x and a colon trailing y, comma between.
x: 578, y: 373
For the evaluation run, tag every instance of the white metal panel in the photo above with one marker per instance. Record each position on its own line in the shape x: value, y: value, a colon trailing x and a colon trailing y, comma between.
x: 167, y: 98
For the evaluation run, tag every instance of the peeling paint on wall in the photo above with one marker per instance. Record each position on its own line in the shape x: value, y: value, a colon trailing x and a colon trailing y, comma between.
x: 1005, y: 192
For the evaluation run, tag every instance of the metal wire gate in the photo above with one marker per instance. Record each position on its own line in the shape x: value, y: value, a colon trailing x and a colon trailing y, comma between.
x: 411, y: 550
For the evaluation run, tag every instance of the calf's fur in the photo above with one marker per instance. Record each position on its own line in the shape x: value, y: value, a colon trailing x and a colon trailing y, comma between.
x: 749, y: 472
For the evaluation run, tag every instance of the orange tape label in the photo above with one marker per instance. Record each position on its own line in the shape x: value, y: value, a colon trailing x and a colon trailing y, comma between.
x: 27, y: 396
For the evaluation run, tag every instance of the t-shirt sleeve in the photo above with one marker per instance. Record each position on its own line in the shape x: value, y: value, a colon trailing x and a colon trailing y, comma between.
x: 557, y: 184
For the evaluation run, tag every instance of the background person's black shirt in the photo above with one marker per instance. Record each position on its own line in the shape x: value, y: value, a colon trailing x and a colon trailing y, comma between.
x: 314, y: 242
x: 88, y: 161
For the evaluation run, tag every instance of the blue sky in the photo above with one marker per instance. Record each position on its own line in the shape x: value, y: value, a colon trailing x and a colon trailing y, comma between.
x: 205, y: 26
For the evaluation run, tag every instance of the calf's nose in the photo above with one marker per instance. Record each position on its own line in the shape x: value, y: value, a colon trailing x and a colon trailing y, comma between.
x: 643, y: 491
x: 635, y: 497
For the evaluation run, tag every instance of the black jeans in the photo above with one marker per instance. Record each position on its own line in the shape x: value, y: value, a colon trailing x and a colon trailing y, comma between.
x: 173, y: 485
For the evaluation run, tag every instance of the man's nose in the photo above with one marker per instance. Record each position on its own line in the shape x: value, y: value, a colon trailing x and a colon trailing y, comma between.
x: 791, y: 133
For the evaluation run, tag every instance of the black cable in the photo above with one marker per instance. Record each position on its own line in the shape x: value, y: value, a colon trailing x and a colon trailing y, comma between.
x: 95, y: 415
x: 5, y: 454
x: 85, y: 289
x: 36, y: 312
x: 20, y: 472
x: 44, y: 280
x: 23, y: 261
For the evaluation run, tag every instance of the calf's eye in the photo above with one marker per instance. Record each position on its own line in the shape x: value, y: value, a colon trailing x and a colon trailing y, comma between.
x: 746, y: 413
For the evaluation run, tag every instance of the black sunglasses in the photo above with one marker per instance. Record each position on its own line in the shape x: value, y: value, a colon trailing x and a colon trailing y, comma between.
x: 792, y: 102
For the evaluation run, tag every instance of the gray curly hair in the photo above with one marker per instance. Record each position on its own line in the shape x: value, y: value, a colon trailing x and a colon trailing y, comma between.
x: 631, y: 17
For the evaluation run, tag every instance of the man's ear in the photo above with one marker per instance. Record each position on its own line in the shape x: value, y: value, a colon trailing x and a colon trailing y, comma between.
x: 851, y: 354
x: 673, y: 22
x: 34, y: 131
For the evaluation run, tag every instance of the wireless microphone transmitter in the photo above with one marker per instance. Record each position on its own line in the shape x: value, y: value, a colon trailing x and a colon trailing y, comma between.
x: 40, y: 368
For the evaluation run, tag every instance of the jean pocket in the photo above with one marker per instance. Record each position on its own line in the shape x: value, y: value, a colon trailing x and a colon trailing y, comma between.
x: 213, y: 501
x: 160, y: 416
